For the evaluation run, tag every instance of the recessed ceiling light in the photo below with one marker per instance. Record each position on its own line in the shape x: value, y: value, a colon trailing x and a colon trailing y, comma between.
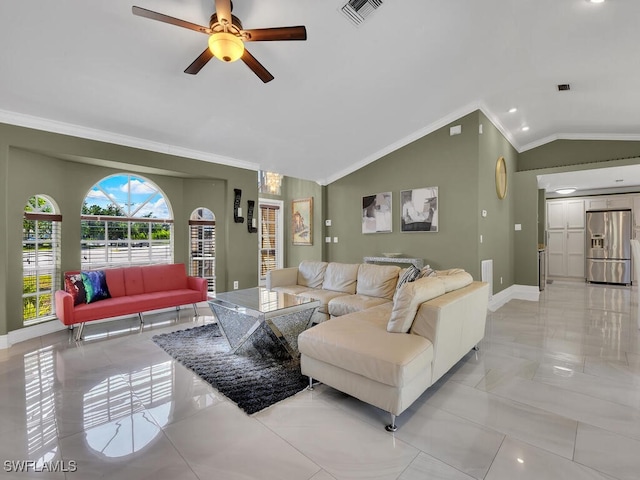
x: 595, y: 1
x: 513, y: 110
x: 525, y: 129
x: 565, y: 191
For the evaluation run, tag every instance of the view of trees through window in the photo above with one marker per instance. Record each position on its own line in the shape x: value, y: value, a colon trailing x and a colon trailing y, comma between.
x: 40, y: 258
x: 125, y: 220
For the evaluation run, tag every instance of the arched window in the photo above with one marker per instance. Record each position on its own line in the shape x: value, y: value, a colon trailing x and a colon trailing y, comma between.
x: 126, y: 220
x: 202, y: 240
x: 40, y: 258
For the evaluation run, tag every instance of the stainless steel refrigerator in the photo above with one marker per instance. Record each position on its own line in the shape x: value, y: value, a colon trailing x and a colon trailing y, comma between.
x: 608, y: 249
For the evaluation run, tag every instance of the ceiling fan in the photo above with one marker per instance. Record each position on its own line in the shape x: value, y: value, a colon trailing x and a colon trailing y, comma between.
x: 227, y: 37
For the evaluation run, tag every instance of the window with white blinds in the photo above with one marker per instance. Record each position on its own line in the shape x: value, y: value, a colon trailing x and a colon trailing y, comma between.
x: 41, y: 227
x: 202, y: 244
x: 270, y: 237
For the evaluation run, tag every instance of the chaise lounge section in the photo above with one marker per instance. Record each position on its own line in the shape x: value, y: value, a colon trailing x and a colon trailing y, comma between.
x: 389, y: 353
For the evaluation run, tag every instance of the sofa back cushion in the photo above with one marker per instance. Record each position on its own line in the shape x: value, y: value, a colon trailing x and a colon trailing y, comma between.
x: 311, y: 274
x: 160, y: 278
x: 377, y: 280
x: 341, y: 277
x: 133, y: 283
x: 454, y: 278
x: 409, y: 298
x: 115, y: 281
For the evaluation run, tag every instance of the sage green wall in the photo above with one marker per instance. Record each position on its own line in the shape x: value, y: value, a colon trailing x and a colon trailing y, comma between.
x: 65, y: 168
x: 497, y: 228
x: 525, y: 190
x: 294, y: 188
x: 438, y: 159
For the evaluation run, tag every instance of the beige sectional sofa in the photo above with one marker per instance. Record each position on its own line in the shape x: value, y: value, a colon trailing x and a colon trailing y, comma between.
x: 383, y: 345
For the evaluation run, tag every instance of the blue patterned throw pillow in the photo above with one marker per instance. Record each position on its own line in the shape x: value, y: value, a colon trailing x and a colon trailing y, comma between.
x: 95, y: 285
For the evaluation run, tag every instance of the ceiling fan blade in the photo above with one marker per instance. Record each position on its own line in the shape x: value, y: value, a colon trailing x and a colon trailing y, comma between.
x: 277, y: 33
x: 256, y: 66
x: 223, y: 10
x: 143, y: 12
x: 199, y: 62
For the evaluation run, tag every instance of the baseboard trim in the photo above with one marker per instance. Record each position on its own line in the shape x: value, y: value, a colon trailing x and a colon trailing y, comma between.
x: 520, y: 292
x: 27, y: 333
x: 52, y: 326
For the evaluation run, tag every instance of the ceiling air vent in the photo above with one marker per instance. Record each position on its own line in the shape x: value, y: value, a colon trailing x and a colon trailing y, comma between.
x: 356, y: 11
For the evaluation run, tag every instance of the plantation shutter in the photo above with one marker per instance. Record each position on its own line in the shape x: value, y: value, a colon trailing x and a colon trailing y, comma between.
x: 268, y: 239
x: 40, y: 264
x: 202, y: 241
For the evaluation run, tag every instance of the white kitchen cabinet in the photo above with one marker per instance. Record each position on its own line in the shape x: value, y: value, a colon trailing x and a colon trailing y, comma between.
x: 563, y: 214
x: 565, y: 237
x: 609, y: 203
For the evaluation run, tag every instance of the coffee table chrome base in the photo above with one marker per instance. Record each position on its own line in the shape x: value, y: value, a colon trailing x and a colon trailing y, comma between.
x: 248, y: 333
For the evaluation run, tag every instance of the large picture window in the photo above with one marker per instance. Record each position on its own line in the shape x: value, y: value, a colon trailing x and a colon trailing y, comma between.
x: 126, y: 220
x: 40, y: 259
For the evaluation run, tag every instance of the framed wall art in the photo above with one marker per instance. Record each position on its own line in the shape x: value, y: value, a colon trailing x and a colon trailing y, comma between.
x: 302, y: 221
x: 419, y: 210
x: 377, y: 213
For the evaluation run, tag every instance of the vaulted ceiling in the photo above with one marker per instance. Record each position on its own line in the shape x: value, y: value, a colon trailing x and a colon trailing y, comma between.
x: 339, y: 100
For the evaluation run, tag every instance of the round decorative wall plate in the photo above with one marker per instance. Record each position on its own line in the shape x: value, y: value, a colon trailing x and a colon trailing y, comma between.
x: 501, y: 178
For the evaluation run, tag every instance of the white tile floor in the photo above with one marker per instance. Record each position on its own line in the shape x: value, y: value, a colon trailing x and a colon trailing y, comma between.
x: 553, y: 393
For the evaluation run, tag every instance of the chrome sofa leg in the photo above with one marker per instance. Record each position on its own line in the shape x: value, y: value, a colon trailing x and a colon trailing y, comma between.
x: 141, y: 318
x: 476, y: 347
x: 392, y: 427
x: 70, y: 327
x: 195, y: 309
x: 310, y: 387
x: 79, y: 332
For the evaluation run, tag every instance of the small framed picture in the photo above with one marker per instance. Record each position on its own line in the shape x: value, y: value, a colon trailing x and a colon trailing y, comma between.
x: 302, y: 221
x: 377, y: 213
x: 419, y: 210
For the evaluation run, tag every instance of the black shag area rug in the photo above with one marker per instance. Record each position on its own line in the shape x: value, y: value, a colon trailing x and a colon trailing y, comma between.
x: 253, y: 382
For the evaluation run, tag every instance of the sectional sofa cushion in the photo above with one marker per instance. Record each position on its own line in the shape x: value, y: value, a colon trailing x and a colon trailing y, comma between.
x: 341, y: 277
x: 353, y: 343
x: 377, y: 280
x: 323, y: 296
x: 407, y: 300
x: 345, y: 304
x: 311, y: 274
x: 454, y: 279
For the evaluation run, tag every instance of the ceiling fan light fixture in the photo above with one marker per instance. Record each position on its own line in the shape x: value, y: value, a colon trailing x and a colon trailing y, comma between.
x: 226, y: 46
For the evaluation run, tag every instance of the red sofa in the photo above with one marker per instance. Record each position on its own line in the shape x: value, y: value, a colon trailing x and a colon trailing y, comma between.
x: 134, y: 290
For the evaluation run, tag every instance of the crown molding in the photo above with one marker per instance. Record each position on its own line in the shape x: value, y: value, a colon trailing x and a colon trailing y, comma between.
x: 53, y: 126
x: 629, y: 137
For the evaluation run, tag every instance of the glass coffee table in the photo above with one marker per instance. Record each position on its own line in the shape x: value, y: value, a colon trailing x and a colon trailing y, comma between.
x: 260, y: 321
